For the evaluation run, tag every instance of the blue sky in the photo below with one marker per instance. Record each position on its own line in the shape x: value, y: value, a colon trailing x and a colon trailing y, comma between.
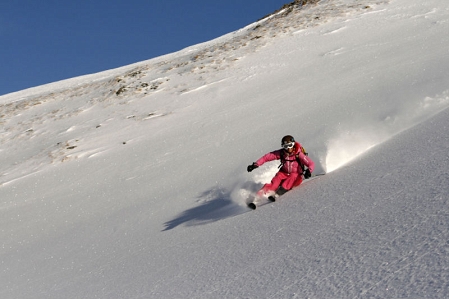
x: 51, y: 40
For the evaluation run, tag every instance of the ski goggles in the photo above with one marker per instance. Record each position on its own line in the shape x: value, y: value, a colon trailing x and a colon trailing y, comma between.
x: 288, y: 145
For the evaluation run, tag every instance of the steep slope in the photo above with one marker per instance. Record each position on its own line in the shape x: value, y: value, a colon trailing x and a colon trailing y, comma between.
x: 128, y: 183
x: 144, y: 91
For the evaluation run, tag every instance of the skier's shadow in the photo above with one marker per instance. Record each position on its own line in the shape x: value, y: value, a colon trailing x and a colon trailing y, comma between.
x: 216, y: 205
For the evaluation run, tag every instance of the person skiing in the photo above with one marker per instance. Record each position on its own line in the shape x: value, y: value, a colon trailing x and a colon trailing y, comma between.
x: 294, y: 165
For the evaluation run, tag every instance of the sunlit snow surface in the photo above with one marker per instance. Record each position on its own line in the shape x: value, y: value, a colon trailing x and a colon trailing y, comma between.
x: 131, y: 183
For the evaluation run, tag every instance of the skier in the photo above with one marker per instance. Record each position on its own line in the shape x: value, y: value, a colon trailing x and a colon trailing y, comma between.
x: 293, y: 166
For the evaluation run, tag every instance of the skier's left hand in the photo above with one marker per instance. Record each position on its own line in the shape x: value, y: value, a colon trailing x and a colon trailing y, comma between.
x: 307, y: 174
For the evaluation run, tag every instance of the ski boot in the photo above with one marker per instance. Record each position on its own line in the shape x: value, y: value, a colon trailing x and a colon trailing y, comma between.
x: 280, y: 191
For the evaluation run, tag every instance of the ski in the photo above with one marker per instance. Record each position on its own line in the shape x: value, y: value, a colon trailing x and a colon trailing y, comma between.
x: 252, y: 204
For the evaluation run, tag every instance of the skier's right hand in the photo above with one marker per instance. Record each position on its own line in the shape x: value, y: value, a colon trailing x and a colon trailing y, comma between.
x: 251, y: 167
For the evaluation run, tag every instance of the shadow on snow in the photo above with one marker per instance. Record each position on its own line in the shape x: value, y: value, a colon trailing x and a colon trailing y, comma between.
x: 217, y: 205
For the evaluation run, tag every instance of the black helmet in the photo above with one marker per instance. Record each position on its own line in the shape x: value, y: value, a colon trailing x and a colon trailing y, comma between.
x: 287, y: 139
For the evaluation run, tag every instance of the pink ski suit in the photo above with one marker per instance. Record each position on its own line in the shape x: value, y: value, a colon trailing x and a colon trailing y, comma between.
x: 290, y: 174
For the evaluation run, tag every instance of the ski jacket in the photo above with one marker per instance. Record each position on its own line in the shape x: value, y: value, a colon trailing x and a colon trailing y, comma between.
x: 291, y: 164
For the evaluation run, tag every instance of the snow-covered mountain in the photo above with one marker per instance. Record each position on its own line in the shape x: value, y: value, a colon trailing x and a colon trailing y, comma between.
x: 131, y: 183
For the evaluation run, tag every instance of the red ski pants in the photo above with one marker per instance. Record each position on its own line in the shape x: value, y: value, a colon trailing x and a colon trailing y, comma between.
x: 285, y: 180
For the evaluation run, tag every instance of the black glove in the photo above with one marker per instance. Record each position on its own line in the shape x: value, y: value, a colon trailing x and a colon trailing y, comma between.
x: 307, y: 174
x: 251, y: 167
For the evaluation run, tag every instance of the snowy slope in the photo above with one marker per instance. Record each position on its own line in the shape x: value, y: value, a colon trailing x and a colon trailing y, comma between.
x: 130, y: 183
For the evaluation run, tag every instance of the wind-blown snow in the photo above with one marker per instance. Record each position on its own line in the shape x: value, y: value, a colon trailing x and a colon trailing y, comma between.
x: 131, y: 183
